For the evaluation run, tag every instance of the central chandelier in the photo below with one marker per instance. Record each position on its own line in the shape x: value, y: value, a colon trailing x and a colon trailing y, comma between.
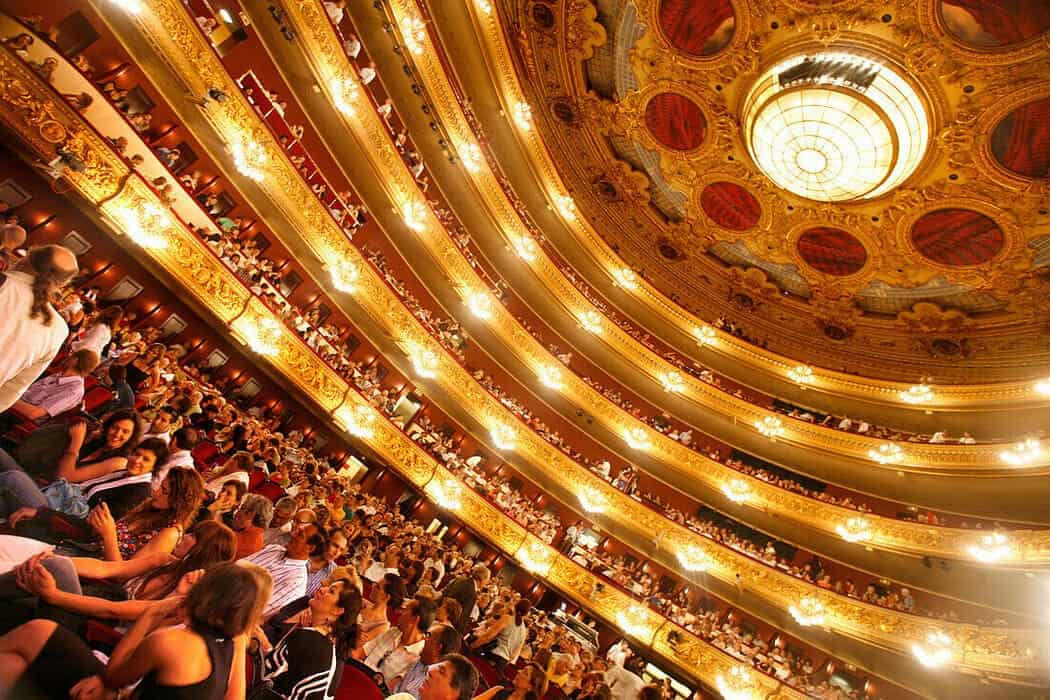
x: 835, y: 126
x: 592, y: 500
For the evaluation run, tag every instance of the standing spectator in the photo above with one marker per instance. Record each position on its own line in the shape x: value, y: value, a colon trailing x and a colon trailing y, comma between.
x: 464, y: 590
x: 99, y: 332
x: 31, y: 331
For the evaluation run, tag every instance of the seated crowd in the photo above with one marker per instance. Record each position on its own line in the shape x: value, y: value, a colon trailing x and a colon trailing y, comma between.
x: 137, y: 559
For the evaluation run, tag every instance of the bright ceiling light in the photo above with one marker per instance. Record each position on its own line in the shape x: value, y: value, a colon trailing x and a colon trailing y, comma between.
x: 991, y: 548
x: 447, y: 493
x: 480, y: 304
x: 565, y: 206
x: 936, y: 652
x: 262, y: 336
x: 359, y: 421
x: 1043, y: 387
x: 854, y: 530
x: 672, y: 381
x: 250, y: 159
x: 424, y: 361
x: 504, y: 437
x: 470, y: 156
x: 525, y: 247
x: 550, y: 377
x: 738, y: 684
x: 705, y: 335
x: 886, y: 453
x: 133, y: 7
x: 919, y: 393
x: 591, y: 321
x: 523, y: 116
x: 1024, y: 453
x: 414, y: 214
x: 634, y: 621
x: 835, y: 127
x: 809, y: 612
x: 694, y: 559
x: 637, y: 439
x: 414, y: 34
x: 344, y: 276
x: 535, y: 558
x: 485, y: 6
x: 345, y: 93
x: 770, y: 426
x: 736, y: 490
x: 625, y: 278
x: 145, y: 225
x: 803, y: 374
x: 592, y: 500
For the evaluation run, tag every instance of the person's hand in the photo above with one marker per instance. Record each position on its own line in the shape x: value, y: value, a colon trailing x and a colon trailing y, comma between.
x: 91, y: 688
x: 161, y: 609
x: 78, y: 431
x: 22, y: 514
x: 101, y: 520
x: 187, y: 581
x: 31, y: 576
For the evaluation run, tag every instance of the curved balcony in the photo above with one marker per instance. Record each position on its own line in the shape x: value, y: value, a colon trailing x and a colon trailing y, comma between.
x: 493, y: 51
x: 39, y: 118
x: 921, y: 458
x: 323, y: 383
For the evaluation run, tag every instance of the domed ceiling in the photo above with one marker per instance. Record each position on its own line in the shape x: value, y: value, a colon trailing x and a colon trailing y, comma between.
x: 871, y: 173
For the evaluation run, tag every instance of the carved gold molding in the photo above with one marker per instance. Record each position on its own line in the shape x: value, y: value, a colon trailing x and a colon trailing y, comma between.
x: 310, y: 373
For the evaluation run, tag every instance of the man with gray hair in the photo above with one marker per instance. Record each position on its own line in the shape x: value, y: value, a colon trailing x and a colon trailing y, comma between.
x: 31, y: 330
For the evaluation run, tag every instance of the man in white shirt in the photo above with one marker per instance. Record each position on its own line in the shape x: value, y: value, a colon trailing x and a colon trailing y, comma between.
x: 368, y: 74
x: 31, y: 331
x: 941, y: 436
x: 396, y: 650
x: 352, y: 46
x: 624, y: 681
x: 49, y: 396
x: 287, y: 565
x: 161, y: 426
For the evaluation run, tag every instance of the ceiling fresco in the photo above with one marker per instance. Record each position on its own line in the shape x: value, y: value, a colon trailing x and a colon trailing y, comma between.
x: 659, y: 87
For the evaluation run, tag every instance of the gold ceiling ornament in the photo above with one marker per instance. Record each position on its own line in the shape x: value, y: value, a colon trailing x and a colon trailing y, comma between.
x: 634, y: 621
x: 927, y: 317
x: 480, y: 304
x: 261, y: 334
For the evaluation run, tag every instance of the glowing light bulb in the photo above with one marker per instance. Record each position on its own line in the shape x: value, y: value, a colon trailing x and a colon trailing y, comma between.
x: 470, y: 156
x: 854, y: 530
x: 591, y: 321
x: 566, y: 206
x: 359, y: 421
x: 525, y: 247
x: 550, y: 376
x: 480, y: 304
x: 736, y: 490
x: 705, y: 335
x: 803, y: 374
x: 523, y: 116
x: 886, y: 453
x: 345, y: 94
x: 504, y: 437
x: 937, y: 650
x: 625, y: 278
x: 770, y: 426
x: 1024, y: 453
x: 414, y: 214
x: 344, y: 276
x: 250, y: 159
x: 146, y: 225
x: 694, y: 559
x: 809, y: 612
x: 991, y: 548
x: 414, y: 34
x: 920, y: 393
x: 592, y: 500
x: 672, y: 382
x: 637, y: 439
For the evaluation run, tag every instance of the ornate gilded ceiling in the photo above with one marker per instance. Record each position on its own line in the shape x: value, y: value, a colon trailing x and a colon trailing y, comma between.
x: 643, y: 100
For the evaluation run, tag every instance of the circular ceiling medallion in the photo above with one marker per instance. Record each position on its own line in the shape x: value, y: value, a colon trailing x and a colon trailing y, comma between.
x: 697, y: 27
x: 957, y: 237
x: 730, y: 206
x: 994, y: 23
x: 1021, y: 141
x: 835, y: 127
x: 675, y: 121
x: 832, y: 251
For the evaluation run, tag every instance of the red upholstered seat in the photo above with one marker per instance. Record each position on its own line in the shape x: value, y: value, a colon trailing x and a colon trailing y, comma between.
x: 97, y: 397
x: 204, y: 454
x: 356, y: 685
x: 487, y: 671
